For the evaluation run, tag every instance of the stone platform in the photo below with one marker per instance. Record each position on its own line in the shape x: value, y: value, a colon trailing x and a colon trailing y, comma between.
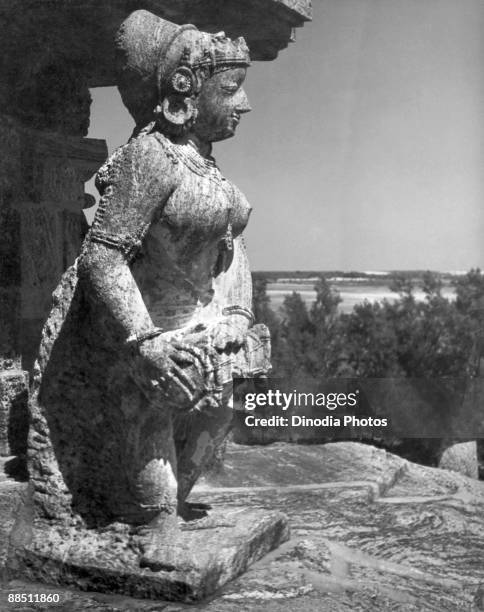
x: 208, y: 553
x: 369, y: 531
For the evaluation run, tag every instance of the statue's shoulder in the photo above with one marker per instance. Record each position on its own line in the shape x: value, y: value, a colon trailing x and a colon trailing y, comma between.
x: 152, y: 144
x: 147, y: 156
x: 134, y: 185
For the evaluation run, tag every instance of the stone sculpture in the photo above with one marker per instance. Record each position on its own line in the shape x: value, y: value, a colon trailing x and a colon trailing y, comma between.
x: 132, y: 389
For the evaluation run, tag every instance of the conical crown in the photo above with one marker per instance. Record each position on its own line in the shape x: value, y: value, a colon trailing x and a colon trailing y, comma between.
x: 150, y: 50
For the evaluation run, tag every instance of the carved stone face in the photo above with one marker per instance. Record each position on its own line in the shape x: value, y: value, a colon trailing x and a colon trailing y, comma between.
x: 221, y: 102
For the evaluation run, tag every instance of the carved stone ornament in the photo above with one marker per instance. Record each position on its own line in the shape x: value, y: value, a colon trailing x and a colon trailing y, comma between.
x: 132, y: 391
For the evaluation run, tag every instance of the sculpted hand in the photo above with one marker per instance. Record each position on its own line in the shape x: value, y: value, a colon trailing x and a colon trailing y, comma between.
x: 186, y: 373
x: 230, y: 333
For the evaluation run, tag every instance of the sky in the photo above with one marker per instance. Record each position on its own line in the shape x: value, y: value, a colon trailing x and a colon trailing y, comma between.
x: 364, y: 148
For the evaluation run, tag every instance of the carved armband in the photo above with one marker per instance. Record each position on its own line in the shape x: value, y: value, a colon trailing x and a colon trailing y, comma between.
x: 135, y: 340
x: 238, y: 310
x: 128, y: 244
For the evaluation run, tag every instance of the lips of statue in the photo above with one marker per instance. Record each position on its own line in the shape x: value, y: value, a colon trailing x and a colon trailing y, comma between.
x: 220, y: 104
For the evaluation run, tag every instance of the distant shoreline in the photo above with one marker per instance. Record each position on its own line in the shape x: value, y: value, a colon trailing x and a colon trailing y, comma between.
x: 352, y: 291
x: 295, y: 276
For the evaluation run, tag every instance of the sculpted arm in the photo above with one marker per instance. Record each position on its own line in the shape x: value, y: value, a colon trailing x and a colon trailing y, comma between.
x: 108, y: 280
x: 134, y: 186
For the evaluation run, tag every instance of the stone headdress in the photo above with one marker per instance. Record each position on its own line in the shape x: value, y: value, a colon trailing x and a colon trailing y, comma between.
x: 157, y: 58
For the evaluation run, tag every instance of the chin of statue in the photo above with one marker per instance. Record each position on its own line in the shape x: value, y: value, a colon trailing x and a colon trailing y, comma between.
x: 230, y: 133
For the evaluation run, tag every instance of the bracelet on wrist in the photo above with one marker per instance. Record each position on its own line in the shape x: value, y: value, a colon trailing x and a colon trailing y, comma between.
x: 238, y: 310
x: 137, y: 339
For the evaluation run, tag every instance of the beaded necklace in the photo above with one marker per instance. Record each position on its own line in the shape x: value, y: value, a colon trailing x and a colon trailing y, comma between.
x: 207, y: 167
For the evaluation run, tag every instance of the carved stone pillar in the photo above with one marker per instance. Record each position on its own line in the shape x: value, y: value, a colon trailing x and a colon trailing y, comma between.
x: 52, y: 224
x: 13, y: 380
x: 44, y: 162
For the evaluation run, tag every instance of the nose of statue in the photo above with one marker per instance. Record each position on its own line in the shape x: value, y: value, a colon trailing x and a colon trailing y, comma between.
x: 243, y: 105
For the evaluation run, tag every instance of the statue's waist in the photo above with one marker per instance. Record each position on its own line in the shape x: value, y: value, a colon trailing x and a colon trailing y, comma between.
x: 171, y: 315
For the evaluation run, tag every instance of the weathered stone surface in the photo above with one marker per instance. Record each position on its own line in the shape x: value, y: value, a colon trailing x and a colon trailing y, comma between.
x: 59, y: 184
x: 41, y: 199
x: 50, y: 242
x: 14, y: 417
x: 42, y: 254
x: 413, y: 543
x: 291, y: 465
x: 10, y: 168
x: 426, y: 420
x: 10, y: 328
x: 10, y: 274
x: 12, y: 494
x: 374, y: 533
x: 461, y: 457
x: 207, y: 554
x: 9, y: 248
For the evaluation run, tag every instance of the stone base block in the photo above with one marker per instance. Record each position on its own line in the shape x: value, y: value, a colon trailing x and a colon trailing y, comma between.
x: 209, y: 552
x: 12, y: 496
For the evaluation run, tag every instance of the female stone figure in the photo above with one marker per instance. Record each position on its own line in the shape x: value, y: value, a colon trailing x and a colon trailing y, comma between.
x: 133, y: 382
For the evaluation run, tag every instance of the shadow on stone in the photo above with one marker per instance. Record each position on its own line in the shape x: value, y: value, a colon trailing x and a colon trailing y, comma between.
x: 18, y: 424
x: 16, y: 468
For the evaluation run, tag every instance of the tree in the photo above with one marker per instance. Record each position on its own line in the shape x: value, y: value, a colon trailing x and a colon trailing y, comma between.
x: 329, y: 358
x: 261, y: 302
x: 371, y: 341
x: 296, y: 341
x: 433, y: 338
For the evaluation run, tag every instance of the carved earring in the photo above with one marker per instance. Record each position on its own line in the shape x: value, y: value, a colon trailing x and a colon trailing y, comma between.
x: 178, y: 110
x: 177, y: 113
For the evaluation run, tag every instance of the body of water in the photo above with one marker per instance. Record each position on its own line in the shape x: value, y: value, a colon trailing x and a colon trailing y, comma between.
x: 351, y: 293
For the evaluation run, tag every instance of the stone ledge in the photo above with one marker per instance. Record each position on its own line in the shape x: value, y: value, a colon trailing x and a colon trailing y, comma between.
x: 208, y: 554
x: 412, y: 543
x: 280, y: 464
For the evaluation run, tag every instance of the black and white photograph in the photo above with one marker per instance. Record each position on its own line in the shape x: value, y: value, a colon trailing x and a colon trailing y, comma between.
x: 242, y: 305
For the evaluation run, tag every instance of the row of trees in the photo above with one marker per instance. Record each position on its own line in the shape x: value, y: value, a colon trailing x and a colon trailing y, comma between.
x: 433, y: 338
x: 436, y: 337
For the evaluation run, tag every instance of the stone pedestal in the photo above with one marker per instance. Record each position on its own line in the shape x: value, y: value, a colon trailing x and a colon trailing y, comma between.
x: 209, y: 553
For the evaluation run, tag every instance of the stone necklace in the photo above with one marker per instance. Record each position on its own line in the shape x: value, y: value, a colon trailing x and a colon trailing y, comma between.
x: 206, y: 166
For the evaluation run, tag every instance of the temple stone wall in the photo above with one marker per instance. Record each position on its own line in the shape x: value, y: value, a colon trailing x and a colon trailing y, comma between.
x: 42, y: 225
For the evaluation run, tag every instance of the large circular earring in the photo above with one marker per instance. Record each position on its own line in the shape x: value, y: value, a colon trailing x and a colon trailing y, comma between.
x: 175, y: 114
x: 178, y: 110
